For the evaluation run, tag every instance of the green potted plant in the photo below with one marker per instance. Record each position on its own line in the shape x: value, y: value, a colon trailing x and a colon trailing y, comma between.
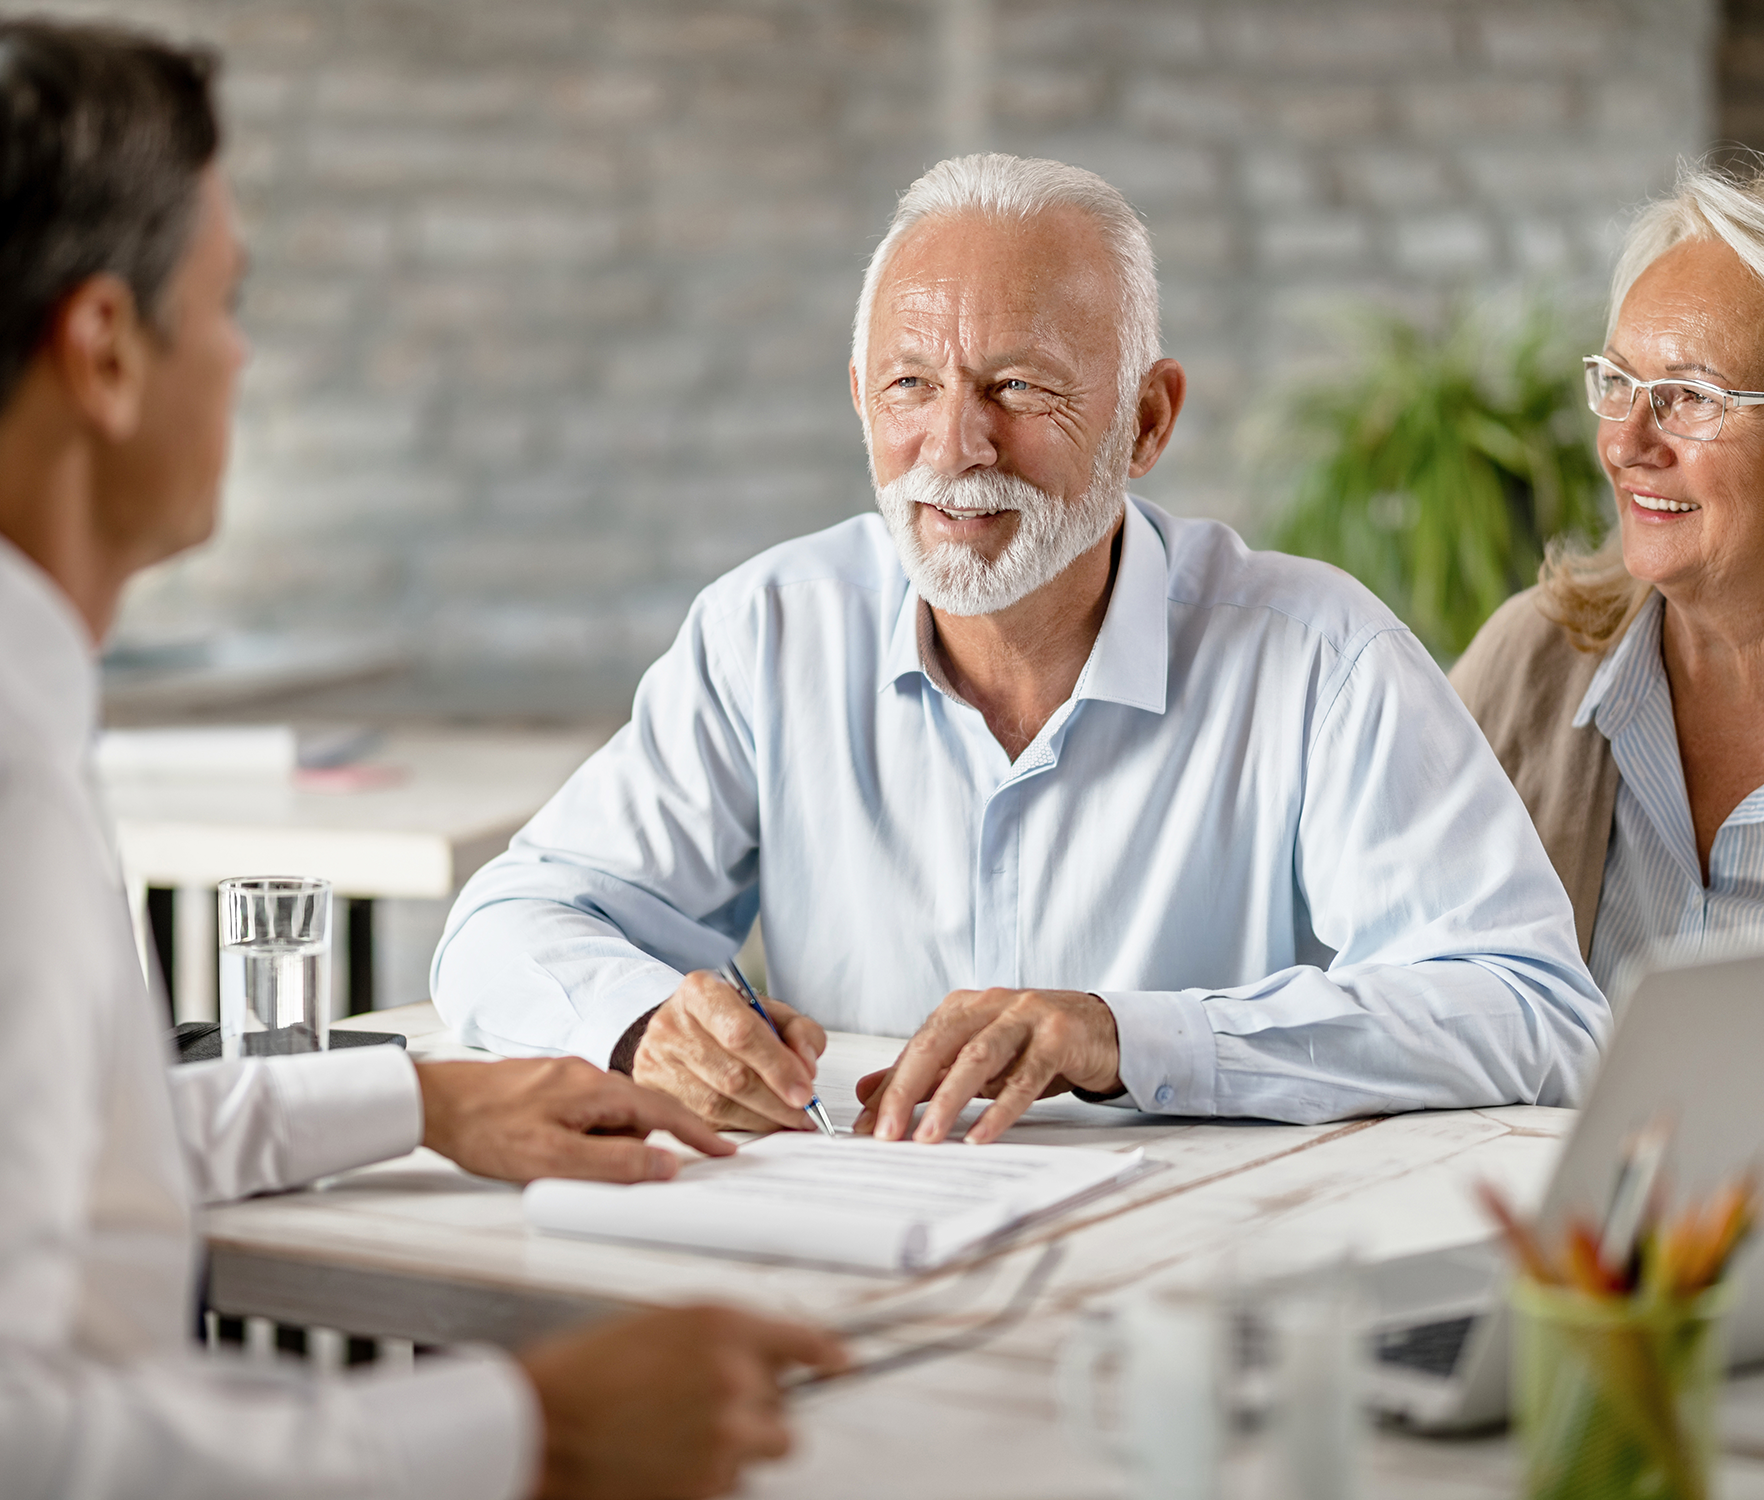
x: 1439, y: 471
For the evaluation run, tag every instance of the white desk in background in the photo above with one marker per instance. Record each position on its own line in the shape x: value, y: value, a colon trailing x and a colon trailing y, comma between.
x: 458, y: 798
x: 415, y: 1249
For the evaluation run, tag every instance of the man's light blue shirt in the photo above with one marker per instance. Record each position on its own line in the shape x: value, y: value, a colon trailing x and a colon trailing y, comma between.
x: 1654, y: 905
x: 1262, y: 828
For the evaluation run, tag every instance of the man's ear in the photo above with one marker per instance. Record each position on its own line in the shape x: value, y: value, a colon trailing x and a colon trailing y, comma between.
x: 1160, y: 399
x: 99, y: 346
x: 857, y: 400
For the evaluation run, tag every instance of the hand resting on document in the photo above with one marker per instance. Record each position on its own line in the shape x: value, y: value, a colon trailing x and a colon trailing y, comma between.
x: 553, y: 1117
x: 667, y: 1405
x: 707, y: 1048
x: 1010, y: 1046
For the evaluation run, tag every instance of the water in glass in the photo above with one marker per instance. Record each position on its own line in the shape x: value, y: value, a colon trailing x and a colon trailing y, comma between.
x: 275, y: 965
x: 276, y: 992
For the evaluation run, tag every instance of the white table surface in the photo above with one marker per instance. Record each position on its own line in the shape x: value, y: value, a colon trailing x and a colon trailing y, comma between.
x: 462, y: 793
x: 1253, y: 1198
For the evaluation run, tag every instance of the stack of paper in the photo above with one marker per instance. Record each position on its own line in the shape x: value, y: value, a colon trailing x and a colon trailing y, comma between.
x: 886, y: 1206
x: 259, y: 750
x: 204, y: 750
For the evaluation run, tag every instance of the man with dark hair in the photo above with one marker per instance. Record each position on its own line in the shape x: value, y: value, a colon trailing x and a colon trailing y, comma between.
x: 103, y: 146
x: 118, y: 355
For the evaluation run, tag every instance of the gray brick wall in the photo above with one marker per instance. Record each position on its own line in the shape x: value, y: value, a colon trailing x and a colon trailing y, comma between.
x: 1740, y: 76
x: 1298, y: 158
x: 550, y: 298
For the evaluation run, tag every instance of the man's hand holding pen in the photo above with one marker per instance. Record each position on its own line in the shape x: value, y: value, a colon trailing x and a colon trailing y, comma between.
x: 711, y: 1050
x: 1010, y: 1046
x: 714, y: 1054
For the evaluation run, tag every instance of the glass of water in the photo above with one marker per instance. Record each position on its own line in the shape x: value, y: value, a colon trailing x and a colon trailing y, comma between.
x: 275, y: 965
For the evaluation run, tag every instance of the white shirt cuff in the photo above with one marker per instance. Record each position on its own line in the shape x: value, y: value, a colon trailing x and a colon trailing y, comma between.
x: 1169, y: 1061
x: 640, y: 991
x: 463, y: 1426
x: 347, y: 1108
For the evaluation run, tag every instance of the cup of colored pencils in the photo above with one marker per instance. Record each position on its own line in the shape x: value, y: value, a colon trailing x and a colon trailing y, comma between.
x: 1618, y: 1353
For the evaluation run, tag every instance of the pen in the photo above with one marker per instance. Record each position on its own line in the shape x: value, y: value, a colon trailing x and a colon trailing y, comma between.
x: 1632, y: 1199
x: 814, y: 1109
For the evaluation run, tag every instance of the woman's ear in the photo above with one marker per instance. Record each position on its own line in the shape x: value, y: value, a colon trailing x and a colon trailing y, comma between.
x: 99, y: 346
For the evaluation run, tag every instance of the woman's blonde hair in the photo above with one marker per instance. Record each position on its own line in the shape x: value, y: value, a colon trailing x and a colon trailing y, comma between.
x: 1593, y: 596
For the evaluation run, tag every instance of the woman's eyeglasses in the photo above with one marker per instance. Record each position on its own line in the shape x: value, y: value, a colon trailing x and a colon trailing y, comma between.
x: 1684, y: 408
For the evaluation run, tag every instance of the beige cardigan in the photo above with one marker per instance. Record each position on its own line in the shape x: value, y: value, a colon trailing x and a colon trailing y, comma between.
x: 1522, y: 681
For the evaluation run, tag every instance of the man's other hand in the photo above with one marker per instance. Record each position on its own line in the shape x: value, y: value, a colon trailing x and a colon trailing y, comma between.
x: 1010, y: 1046
x: 553, y: 1117
x: 668, y: 1405
x: 708, y: 1049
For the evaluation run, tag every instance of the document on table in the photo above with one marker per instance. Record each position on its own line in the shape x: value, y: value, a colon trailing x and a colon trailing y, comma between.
x: 877, y: 1205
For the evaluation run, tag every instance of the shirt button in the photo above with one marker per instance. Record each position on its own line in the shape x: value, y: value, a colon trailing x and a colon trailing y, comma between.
x: 1164, y: 1094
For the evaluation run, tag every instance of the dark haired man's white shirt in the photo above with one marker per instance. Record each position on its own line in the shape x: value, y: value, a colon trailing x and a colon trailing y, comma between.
x: 105, y: 1153
x: 1262, y: 828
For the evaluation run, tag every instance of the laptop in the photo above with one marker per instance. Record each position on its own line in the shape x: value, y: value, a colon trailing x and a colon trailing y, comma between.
x: 1690, y: 1046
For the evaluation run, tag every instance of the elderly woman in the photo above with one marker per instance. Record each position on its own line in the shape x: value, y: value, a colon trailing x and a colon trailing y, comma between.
x: 1625, y: 693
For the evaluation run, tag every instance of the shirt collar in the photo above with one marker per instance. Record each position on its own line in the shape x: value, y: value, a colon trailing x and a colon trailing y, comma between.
x: 1626, y: 675
x: 903, y: 657
x: 1130, y: 662
x: 47, y: 671
x: 1751, y: 810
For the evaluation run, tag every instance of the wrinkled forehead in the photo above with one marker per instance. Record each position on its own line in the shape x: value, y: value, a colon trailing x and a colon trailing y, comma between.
x: 1697, y: 307
x: 975, y: 281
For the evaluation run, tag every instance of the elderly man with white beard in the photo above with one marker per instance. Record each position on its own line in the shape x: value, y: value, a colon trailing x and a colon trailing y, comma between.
x: 1077, y: 795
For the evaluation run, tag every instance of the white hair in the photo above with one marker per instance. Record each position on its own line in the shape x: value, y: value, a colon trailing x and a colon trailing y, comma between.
x: 1706, y: 203
x: 1016, y: 187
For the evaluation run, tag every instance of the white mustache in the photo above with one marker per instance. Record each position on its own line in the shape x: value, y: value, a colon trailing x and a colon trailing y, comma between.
x: 954, y: 576
x: 986, y: 490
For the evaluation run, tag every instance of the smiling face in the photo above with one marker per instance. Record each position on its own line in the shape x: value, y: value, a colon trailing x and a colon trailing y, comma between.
x: 990, y: 400
x: 1692, y: 514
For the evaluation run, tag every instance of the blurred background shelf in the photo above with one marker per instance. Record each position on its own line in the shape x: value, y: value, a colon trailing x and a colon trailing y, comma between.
x: 433, y: 806
x: 149, y: 683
